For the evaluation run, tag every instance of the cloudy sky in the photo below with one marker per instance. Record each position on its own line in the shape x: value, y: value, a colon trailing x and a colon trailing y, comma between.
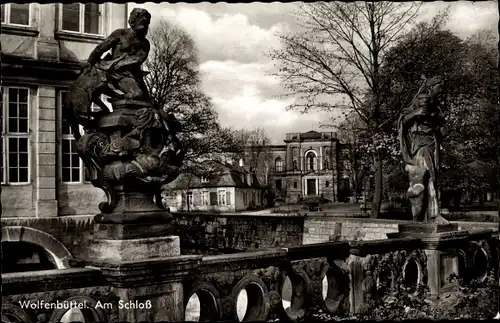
x: 233, y: 40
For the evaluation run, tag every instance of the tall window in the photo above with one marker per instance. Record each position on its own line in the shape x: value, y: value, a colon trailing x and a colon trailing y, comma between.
x: 295, y: 165
x: 71, y: 164
x: 205, y: 198
x: 189, y: 198
x: 222, y: 197
x: 325, y: 164
x: 16, y: 14
x: 311, y: 160
x: 15, y: 164
x: 84, y: 18
x: 278, y: 164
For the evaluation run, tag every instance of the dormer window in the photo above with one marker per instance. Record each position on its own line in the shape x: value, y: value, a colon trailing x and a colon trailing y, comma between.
x: 204, y: 179
x: 249, y: 179
x: 242, y: 176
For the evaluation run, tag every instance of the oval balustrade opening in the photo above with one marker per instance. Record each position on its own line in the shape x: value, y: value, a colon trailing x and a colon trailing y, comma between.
x: 20, y: 256
x: 201, y: 307
x: 462, y: 265
x: 192, y: 313
x: 293, y: 295
x: 250, y: 303
x: 479, y: 268
x: 324, y: 287
x: 286, y: 293
x: 73, y: 315
x: 411, y: 273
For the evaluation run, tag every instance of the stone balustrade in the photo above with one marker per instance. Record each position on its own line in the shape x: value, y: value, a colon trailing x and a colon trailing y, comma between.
x: 338, y: 278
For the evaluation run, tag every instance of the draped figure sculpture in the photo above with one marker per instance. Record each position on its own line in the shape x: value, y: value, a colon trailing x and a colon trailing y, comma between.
x: 421, y: 127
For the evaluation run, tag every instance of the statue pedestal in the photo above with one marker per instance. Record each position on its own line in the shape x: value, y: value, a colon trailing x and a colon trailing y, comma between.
x: 143, y: 264
x: 438, y: 243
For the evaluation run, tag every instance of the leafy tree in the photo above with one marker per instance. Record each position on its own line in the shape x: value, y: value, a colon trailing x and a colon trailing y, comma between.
x: 468, y: 100
x: 336, y: 59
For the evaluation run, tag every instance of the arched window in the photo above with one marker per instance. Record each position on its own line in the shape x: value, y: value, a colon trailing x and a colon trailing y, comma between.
x: 278, y: 164
x: 311, y: 160
x: 295, y: 165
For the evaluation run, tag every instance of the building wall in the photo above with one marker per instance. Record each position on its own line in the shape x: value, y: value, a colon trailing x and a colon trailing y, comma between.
x: 238, y: 200
x: 295, y: 150
x: 45, y: 195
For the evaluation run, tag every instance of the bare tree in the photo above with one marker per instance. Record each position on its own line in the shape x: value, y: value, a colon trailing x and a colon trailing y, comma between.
x: 335, y: 60
x: 354, y: 156
x: 255, y: 152
x: 174, y: 83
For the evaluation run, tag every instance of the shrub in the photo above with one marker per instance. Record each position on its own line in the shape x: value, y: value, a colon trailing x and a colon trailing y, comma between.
x: 476, y: 300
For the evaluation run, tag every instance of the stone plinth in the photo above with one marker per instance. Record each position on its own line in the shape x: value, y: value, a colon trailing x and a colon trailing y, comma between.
x: 142, y: 262
x: 150, y: 290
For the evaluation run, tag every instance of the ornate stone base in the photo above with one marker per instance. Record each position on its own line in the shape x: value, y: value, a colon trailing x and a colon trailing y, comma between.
x: 135, y: 208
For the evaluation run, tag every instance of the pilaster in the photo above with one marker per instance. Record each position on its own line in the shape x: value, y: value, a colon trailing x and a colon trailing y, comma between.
x: 45, y: 141
x: 47, y: 45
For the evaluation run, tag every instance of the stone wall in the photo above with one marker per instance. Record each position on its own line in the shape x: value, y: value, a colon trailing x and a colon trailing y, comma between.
x: 324, y: 228
x: 221, y: 233
x: 224, y: 233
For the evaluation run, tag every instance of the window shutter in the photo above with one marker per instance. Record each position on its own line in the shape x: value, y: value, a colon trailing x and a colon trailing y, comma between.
x: 228, y: 198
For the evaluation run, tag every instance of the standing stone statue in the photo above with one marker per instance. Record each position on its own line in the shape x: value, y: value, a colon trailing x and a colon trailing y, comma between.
x: 132, y: 151
x: 421, y: 127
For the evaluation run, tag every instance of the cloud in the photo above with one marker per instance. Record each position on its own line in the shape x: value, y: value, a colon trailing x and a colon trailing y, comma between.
x: 246, y: 97
x: 225, y: 36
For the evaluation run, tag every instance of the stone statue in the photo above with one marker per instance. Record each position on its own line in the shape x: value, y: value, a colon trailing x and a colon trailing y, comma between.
x: 132, y: 151
x: 421, y: 127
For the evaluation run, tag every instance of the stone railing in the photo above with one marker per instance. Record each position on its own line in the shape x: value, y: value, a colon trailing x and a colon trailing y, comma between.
x: 45, y: 296
x: 264, y: 276
x: 338, y: 278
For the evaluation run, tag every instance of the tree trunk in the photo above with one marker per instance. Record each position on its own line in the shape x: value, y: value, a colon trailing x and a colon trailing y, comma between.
x: 377, y: 196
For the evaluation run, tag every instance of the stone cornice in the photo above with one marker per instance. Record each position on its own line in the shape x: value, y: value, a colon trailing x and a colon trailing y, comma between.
x: 22, y: 70
x: 148, y: 272
x: 454, y: 239
x: 334, y: 250
x: 243, y: 260
x: 76, y: 37
x: 49, y: 280
x: 19, y: 30
x: 364, y: 248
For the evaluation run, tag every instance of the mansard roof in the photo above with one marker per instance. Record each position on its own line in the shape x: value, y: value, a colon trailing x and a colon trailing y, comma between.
x: 218, y: 175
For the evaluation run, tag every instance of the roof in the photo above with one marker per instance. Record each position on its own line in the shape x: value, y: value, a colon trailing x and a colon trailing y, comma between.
x: 311, y: 135
x: 220, y: 175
